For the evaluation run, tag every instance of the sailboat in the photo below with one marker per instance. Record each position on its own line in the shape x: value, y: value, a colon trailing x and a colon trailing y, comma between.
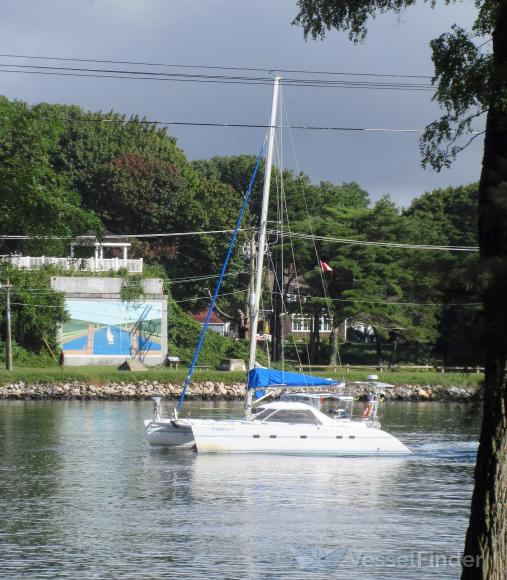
x: 292, y: 425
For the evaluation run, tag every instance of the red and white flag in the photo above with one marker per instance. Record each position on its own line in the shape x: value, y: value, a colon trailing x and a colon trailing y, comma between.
x: 325, y: 267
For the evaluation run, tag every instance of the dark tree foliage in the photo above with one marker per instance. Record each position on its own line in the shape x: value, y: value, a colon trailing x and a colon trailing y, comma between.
x: 132, y: 175
x: 471, y: 80
x: 31, y: 188
x: 37, y: 310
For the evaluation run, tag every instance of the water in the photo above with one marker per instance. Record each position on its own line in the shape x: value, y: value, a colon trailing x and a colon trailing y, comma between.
x: 83, y: 496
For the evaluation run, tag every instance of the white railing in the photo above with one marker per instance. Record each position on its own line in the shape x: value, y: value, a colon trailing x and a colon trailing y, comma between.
x: 86, y: 264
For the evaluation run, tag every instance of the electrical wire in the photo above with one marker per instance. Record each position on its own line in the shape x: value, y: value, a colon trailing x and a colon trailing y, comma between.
x: 242, y: 125
x: 121, y: 236
x: 215, y: 67
x: 202, y: 78
x: 403, y: 246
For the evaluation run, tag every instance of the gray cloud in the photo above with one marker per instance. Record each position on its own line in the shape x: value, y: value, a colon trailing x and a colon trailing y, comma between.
x: 235, y: 33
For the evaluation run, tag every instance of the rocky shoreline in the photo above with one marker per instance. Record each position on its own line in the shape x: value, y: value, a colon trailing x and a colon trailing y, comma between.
x: 211, y: 391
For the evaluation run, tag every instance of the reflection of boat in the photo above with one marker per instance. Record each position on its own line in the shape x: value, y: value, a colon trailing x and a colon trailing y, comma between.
x: 110, y: 335
x: 287, y: 426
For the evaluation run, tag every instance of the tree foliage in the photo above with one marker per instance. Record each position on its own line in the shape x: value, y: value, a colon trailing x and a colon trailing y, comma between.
x: 30, y: 187
x: 37, y: 310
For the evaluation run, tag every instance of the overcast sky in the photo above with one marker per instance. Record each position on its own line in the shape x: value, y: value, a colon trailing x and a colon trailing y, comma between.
x: 247, y: 34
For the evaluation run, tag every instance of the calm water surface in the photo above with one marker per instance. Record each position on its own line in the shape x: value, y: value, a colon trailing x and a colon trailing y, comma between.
x: 82, y: 495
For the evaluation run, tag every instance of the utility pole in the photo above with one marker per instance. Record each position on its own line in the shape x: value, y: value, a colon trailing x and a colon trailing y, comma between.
x: 8, y: 336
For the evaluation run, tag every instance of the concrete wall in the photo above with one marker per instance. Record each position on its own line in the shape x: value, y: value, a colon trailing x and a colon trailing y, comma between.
x: 106, y: 331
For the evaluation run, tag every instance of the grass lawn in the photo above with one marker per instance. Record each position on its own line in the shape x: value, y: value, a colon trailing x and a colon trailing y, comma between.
x: 105, y: 374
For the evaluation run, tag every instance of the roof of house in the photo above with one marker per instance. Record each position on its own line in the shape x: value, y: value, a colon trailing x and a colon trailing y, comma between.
x: 201, y: 317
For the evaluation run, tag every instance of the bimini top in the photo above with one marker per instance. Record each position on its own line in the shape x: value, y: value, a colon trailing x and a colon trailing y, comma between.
x: 258, y: 378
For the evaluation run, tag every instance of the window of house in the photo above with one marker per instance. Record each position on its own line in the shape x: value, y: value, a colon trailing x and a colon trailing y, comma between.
x: 301, y: 323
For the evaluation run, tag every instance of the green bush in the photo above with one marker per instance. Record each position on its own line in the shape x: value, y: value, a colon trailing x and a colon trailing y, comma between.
x: 21, y: 357
x: 183, y: 336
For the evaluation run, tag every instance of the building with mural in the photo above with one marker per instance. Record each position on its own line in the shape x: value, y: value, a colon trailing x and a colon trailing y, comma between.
x: 103, y: 329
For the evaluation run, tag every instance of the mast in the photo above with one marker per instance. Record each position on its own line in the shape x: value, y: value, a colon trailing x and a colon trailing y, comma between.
x: 255, y: 296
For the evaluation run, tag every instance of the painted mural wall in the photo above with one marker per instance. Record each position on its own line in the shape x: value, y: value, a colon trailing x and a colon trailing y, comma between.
x: 109, y: 328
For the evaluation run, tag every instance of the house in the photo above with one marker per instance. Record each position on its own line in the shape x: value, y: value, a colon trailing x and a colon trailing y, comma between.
x: 86, y: 245
x: 216, y: 324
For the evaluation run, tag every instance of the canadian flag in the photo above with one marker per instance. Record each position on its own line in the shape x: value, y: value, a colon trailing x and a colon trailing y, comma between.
x: 325, y: 267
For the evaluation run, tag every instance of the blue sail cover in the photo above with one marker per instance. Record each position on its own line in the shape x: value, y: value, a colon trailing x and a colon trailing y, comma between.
x: 274, y: 378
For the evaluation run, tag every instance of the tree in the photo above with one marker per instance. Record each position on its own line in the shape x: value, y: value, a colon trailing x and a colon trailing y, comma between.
x: 37, y: 310
x: 302, y: 200
x: 31, y: 188
x: 449, y: 217
x: 132, y: 174
x: 471, y: 80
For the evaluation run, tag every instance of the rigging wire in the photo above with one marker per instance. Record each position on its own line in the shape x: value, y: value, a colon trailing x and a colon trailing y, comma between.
x: 281, y: 216
x: 317, y: 256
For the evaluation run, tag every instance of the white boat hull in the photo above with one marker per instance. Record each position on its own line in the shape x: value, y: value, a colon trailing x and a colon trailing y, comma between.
x: 169, y: 433
x: 251, y: 437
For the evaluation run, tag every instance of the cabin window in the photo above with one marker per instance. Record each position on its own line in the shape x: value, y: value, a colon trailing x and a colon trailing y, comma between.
x: 263, y: 414
x: 293, y: 416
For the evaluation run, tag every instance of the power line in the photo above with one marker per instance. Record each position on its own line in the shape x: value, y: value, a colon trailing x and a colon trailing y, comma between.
x: 299, y: 235
x: 241, y: 125
x: 397, y: 245
x: 378, y: 302
x: 121, y: 236
x: 202, y: 78
x: 214, y: 67
x: 171, y: 281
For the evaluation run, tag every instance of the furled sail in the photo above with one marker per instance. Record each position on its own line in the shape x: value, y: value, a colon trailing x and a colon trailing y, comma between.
x: 260, y: 378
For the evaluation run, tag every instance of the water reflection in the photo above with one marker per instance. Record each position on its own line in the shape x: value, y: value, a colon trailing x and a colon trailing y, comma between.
x: 84, y: 496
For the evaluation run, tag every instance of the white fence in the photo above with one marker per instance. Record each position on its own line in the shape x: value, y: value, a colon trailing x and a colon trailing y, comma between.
x: 85, y: 264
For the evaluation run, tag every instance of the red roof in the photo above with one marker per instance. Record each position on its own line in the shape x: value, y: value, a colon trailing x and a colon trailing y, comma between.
x: 201, y: 317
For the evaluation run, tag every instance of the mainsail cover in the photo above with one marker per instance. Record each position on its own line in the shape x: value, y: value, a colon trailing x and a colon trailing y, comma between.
x: 259, y: 378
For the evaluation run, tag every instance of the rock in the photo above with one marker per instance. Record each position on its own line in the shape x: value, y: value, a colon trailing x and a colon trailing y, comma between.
x: 232, y: 364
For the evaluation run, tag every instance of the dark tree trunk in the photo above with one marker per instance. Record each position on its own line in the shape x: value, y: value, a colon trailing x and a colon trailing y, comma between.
x: 243, y: 325
x: 486, y: 540
x: 276, y: 329
x: 378, y: 344
x: 394, y: 347
x: 276, y: 316
x: 315, y: 338
x: 333, y: 344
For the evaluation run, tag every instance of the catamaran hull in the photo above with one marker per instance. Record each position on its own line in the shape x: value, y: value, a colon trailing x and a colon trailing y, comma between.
x: 247, y: 437
x: 168, y: 433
